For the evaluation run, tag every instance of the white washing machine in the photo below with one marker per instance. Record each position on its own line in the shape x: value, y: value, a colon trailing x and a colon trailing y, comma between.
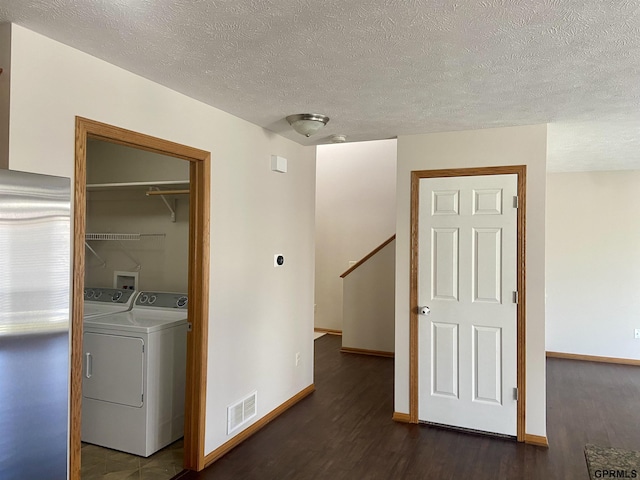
x: 134, y: 375
x: 106, y: 301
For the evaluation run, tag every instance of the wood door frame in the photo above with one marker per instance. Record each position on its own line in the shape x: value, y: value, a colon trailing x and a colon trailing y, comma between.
x: 521, y: 172
x: 198, y: 309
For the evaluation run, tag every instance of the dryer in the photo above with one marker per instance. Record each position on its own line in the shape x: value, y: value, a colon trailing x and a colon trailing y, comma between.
x: 106, y: 301
x: 134, y: 375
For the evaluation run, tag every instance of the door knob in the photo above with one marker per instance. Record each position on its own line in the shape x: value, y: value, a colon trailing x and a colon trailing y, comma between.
x: 424, y: 310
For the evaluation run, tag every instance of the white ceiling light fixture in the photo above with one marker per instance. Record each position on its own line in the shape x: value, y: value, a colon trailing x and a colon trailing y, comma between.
x: 307, y: 123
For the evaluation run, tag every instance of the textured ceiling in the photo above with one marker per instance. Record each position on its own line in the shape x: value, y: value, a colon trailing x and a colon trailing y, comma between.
x: 382, y: 68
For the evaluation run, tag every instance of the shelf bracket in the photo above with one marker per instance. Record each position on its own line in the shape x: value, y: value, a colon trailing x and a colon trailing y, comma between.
x: 171, y: 208
x: 129, y: 256
x: 104, y: 263
x: 119, y: 238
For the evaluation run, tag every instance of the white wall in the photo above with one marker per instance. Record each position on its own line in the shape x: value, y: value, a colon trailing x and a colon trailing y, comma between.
x: 369, y: 303
x: 355, y: 213
x: 164, y: 260
x: 479, y: 148
x: 259, y: 316
x: 112, y: 163
x: 593, y: 263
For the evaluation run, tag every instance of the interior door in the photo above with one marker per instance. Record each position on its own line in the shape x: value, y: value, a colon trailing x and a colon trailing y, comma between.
x: 467, y: 268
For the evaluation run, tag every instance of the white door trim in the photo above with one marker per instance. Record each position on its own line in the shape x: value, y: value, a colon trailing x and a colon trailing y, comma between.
x: 520, y: 171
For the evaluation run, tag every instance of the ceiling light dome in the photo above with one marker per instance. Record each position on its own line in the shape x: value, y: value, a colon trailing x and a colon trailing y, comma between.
x: 307, y: 123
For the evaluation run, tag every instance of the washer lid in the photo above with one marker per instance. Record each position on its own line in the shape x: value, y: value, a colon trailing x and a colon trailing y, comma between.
x: 143, y: 321
x: 99, y: 309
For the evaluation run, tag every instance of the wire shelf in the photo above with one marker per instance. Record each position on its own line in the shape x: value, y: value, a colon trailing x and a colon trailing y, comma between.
x: 121, y: 236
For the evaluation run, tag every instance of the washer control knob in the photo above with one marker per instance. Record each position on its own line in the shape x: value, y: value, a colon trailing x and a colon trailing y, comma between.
x: 116, y: 296
x: 182, y: 301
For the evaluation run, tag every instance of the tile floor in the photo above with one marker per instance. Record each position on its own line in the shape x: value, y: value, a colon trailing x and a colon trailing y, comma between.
x: 100, y: 463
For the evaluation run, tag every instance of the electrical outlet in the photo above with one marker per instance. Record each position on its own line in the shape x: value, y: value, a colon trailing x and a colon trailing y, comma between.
x: 297, y: 358
x: 636, y: 333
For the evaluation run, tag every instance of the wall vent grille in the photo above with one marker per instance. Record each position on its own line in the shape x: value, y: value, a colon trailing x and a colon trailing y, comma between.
x: 241, y: 412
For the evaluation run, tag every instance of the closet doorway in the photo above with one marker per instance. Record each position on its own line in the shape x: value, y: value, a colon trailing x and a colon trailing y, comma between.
x: 198, y: 281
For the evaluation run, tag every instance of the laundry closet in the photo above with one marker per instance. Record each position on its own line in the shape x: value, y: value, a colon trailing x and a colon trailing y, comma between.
x: 124, y: 187
x: 136, y: 283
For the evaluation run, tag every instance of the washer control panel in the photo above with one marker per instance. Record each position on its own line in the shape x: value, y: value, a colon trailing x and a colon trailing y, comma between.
x: 162, y: 300
x: 107, y: 295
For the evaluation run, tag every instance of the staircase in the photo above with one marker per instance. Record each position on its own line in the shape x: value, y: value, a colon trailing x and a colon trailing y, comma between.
x: 368, y: 303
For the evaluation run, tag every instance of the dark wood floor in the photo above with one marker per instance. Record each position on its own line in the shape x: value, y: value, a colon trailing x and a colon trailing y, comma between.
x: 344, y: 430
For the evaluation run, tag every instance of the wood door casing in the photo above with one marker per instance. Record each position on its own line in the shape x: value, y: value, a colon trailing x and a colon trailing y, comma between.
x: 199, y: 251
x: 520, y: 171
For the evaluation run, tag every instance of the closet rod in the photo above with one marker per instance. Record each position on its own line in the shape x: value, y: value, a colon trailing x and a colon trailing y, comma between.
x: 167, y: 192
x: 172, y: 209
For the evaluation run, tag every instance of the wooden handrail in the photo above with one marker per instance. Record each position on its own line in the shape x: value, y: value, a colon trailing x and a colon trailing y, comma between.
x: 376, y: 250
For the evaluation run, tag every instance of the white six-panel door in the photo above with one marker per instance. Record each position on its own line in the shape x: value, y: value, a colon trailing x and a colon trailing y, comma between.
x: 467, y: 256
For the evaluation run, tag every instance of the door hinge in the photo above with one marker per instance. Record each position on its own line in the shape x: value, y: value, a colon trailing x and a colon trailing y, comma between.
x: 515, y: 393
x: 189, y: 326
x: 142, y: 398
x: 515, y: 201
x: 515, y: 297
